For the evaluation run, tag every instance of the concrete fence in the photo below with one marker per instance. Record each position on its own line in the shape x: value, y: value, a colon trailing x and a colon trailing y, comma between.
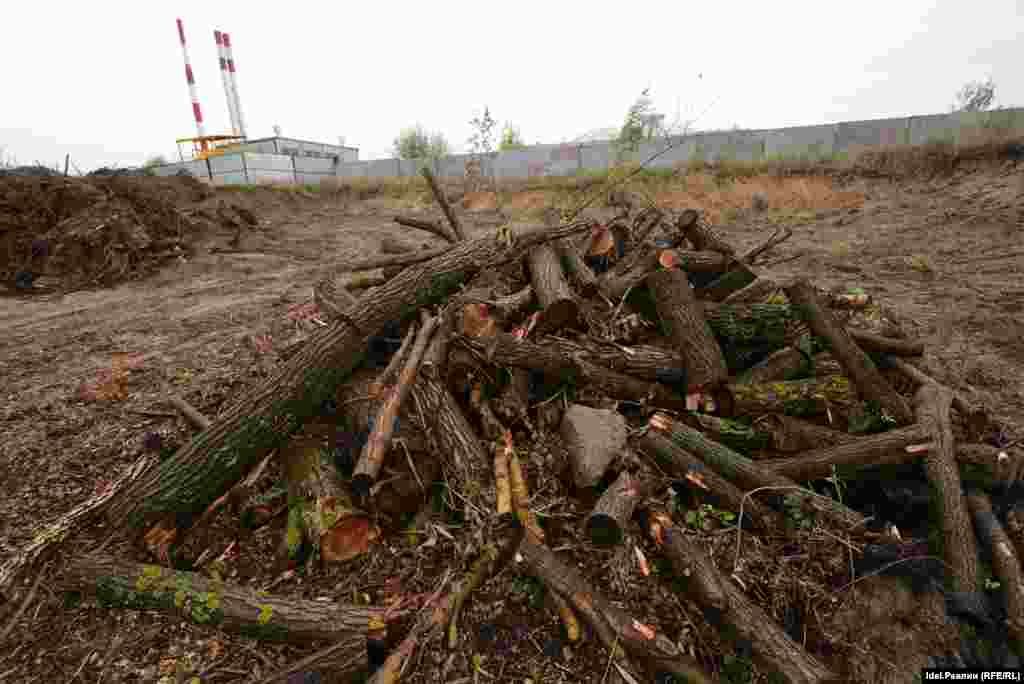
x: 802, y: 142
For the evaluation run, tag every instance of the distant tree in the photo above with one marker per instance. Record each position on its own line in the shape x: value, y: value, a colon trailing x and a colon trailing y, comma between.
x: 482, y: 140
x: 975, y: 96
x: 155, y: 160
x: 511, y: 139
x: 417, y: 143
x: 642, y: 123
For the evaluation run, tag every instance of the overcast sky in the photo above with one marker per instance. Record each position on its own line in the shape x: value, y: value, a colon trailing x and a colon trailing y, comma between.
x: 104, y: 81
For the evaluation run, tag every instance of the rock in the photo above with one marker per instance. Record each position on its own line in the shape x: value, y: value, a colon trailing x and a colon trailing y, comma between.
x: 592, y: 437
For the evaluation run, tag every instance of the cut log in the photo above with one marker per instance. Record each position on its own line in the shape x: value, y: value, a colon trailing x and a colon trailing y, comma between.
x: 1005, y: 465
x: 616, y: 283
x: 976, y: 418
x: 857, y: 364
x: 789, y: 435
x: 581, y: 275
x: 558, y: 304
x: 606, y: 524
x: 809, y: 397
x: 887, y: 448
x: 686, y: 327
x: 703, y: 238
x: 693, y: 262
x: 712, y: 487
x: 758, y: 292
x: 784, y: 364
x: 725, y: 604
x: 263, y: 418
x: 736, y: 278
x: 379, y: 442
x: 616, y: 628
x: 593, y: 438
x: 401, y: 260
x: 773, y: 324
x: 206, y: 602
x: 645, y: 362
x: 748, y: 475
x: 731, y: 433
x: 932, y: 403
x: 453, y: 220
x: 505, y: 350
x: 1004, y: 561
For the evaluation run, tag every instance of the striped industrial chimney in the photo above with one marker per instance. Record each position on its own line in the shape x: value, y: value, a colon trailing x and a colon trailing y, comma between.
x: 226, y: 80
x: 191, y: 82
x: 234, y: 83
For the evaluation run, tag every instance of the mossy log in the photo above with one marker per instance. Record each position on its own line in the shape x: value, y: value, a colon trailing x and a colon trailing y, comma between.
x: 682, y: 316
x: 775, y: 324
x: 207, y: 602
x: 857, y: 364
x: 617, y: 629
x: 706, y: 482
x: 808, y: 397
x: 1004, y: 560
x: 315, y: 493
x: 748, y: 475
x: 932, y: 403
x: 727, y: 607
x: 264, y: 417
x: 729, y: 432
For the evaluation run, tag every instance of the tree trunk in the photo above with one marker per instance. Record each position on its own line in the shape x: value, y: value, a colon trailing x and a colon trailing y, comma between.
x: 711, y: 486
x: 932, y: 403
x: 748, y: 475
x: 645, y: 362
x: 264, y: 418
x: 857, y: 364
x: 886, y: 448
x: 606, y: 524
x: 428, y: 226
x: 1004, y: 561
x: 506, y: 350
x: 688, y: 330
x: 124, y: 584
x: 581, y: 275
x: 773, y: 649
x: 558, y: 304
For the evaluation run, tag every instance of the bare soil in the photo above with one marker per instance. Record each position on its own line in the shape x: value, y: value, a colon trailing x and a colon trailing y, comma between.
x: 946, y: 253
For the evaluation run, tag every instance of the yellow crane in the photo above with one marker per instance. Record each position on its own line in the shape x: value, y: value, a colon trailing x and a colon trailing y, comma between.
x: 206, y: 146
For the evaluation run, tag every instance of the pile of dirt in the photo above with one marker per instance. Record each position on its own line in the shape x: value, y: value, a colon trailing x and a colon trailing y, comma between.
x: 65, y: 234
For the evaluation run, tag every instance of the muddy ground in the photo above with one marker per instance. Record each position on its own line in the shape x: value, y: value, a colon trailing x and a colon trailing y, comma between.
x: 946, y: 253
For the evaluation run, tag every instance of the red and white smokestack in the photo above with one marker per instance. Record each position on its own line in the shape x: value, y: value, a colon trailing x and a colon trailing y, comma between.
x: 226, y: 80
x: 196, y: 111
x: 234, y: 83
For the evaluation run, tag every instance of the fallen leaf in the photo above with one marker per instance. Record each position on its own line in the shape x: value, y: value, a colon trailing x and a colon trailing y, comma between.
x: 349, y: 538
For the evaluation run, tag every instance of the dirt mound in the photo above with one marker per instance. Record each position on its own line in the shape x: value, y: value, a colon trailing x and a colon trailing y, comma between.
x: 69, y: 233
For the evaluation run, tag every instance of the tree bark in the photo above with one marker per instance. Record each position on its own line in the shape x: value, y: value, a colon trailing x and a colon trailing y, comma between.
x: 857, y: 364
x: 506, y: 350
x: 932, y: 403
x: 453, y: 221
x: 615, y: 283
x: 809, y: 397
x: 716, y: 489
x: 581, y: 275
x: 886, y: 448
x: 558, y: 304
x: 406, y: 259
x: 748, y: 475
x: 757, y: 292
x: 775, y: 324
x: 616, y: 628
x: 736, y: 278
x: 773, y: 649
x: 606, y: 524
x: 688, y: 329
x: 1004, y: 561
x: 703, y: 239
x: 124, y: 584
x: 645, y: 362
x: 886, y: 345
x: 790, y: 435
x: 728, y: 432
x: 694, y: 262
x: 784, y: 364
x: 265, y: 417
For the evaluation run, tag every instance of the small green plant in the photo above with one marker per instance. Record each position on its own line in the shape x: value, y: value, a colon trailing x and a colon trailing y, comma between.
x: 698, y: 518
x: 736, y: 670
x: 532, y: 589
x: 511, y: 139
x: 793, y: 505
